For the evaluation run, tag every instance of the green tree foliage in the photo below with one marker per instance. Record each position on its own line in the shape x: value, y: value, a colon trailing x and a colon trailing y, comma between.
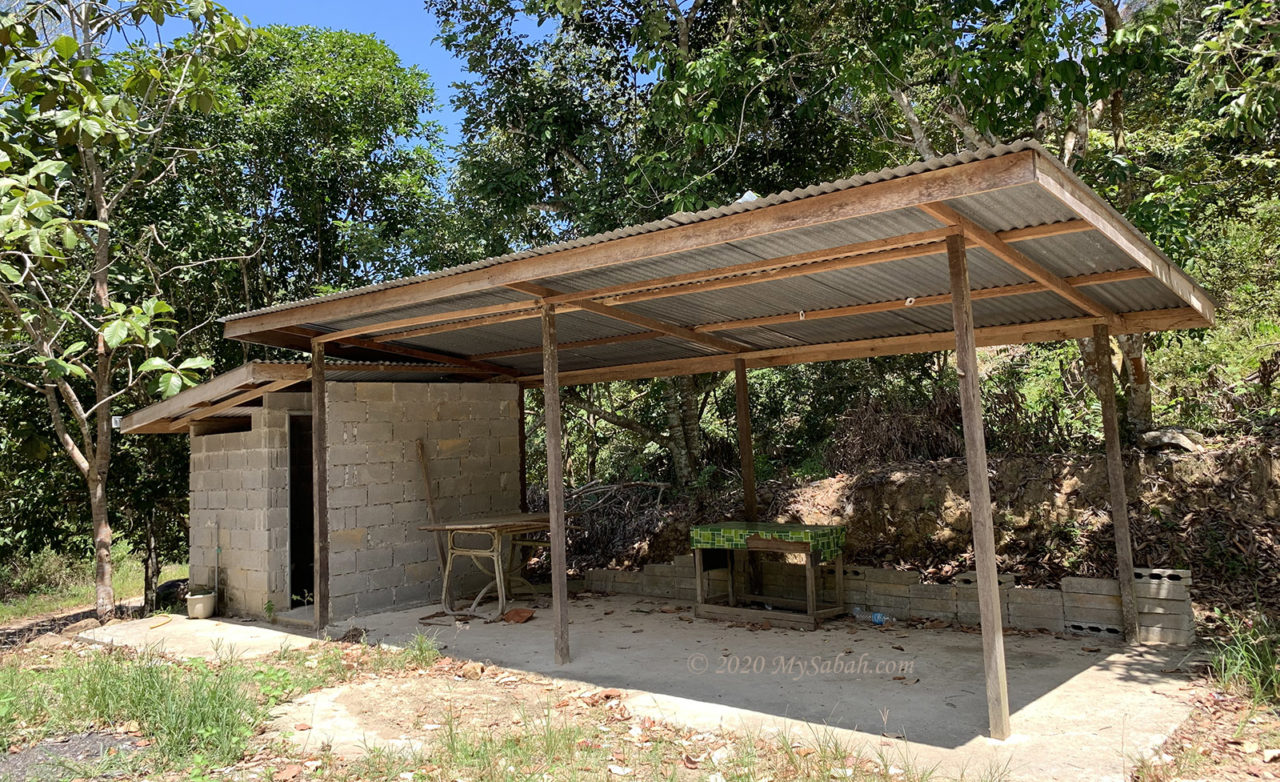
x: 310, y: 168
x: 614, y: 113
x: 80, y: 138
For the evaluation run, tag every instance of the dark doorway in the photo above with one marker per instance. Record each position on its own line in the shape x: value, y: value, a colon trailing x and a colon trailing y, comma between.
x: 302, y: 555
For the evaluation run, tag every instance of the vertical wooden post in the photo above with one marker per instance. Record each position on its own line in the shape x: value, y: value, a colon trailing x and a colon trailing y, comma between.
x: 746, y: 452
x: 975, y: 449
x: 1115, y: 480
x: 555, y: 485
x: 320, y: 486
x: 523, y: 441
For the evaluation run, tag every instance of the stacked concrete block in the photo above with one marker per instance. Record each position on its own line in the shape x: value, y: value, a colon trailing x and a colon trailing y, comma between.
x: 1165, y: 614
x: 932, y: 601
x: 966, y: 584
x: 889, y: 591
x: 1035, y: 609
x: 1085, y: 606
x: 1091, y: 606
x: 379, y: 557
x: 235, y: 507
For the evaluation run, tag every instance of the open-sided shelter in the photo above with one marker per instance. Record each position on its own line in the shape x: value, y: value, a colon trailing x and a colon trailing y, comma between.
x: 987, y: 248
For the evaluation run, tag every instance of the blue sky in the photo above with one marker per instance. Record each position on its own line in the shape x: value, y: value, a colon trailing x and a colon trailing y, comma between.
x: 403, y: 24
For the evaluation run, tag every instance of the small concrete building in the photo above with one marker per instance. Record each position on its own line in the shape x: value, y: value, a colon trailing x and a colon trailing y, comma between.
x: 252, y: 493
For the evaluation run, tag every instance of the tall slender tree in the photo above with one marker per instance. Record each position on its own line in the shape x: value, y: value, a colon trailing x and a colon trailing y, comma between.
x: 83, y: 134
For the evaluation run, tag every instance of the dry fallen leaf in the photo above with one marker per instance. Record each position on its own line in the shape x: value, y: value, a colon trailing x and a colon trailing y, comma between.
x: 302, y: 726
x: 288, y: 772
x: 518, y: 615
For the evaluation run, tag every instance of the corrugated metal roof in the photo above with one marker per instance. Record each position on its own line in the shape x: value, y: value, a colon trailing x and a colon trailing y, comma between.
x: 677, y: 219
x: 793, y: 263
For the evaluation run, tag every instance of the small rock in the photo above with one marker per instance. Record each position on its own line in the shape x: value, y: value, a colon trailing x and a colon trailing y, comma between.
x: 47, y: 641
x: 472, y: 670
x: 669, y: 609
x: 1270, y: 755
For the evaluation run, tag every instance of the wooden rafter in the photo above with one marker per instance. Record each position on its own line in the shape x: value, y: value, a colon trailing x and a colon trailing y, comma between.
x: 639, y: 336
x: 1001, y: 249
x: 1020, y: 333
x: 1099, y: 278
x: 635, y: 319
x: 231, y: 402
x: 912, y: 245
x: 410, y: 352
x: 421, y: 320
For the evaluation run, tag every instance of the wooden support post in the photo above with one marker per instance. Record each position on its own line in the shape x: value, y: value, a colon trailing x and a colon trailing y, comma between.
x: 746, y: 452
x: 1115, y: 480
x: 975, y: 448
x: 555, y: 485
x: 523, y: 443
x: 320, y: 486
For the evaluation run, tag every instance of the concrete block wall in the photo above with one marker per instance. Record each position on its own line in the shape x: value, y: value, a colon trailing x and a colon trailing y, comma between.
x: 239, y: 501
x: 379, y: 558
x: 1085, y: 606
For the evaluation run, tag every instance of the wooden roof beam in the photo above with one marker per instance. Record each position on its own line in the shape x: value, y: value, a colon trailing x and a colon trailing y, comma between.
x: 639, y: 336
x: 1100, y: 278
x: 635, y: 319
x: 814, y: 262
x: 1044, y: 331
x: 1001, y: 249
x: 412, y: 352
x: 232, y: 402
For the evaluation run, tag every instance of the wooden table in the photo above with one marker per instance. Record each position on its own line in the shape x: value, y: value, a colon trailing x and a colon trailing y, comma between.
x: 816, y: 543
x: 497, y: 529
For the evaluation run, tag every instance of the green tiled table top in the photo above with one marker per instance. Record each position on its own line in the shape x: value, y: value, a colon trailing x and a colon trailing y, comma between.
x: 826, y: 540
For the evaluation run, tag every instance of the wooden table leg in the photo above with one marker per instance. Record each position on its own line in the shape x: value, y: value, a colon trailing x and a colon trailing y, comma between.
x: 499, y: 576
x: 811, y: 582
x: 840, y: 579
x: 697, y: 576
x: 733, y: 599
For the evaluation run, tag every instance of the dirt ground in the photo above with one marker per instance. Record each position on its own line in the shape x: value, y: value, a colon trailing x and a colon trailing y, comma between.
x: 403, y: 710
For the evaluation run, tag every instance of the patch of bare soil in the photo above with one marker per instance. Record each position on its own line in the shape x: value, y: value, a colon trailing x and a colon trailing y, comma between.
x: 399, y: 710
x: 51, y: 758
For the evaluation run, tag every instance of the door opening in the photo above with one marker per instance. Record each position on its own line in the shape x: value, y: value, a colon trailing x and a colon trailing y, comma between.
x: 301, y: 513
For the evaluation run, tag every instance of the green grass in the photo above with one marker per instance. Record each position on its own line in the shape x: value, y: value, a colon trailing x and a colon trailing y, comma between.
x: 198, y: 715
x: 1248, y: 660
x: 188, y: 710
x: 76, y: 592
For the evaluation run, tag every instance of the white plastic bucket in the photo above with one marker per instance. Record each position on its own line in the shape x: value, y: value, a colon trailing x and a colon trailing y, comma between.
x: 200, y: 605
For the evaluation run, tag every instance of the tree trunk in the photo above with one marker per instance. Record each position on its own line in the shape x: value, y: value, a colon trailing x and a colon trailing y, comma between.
x: 106, y: 598
x: 150, y: 567
x: 1136, y: 382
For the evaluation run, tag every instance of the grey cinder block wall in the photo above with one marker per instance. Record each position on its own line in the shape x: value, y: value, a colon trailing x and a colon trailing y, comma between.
x: 379, y: 559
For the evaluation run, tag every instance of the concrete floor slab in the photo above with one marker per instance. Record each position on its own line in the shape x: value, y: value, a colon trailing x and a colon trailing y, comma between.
x: 209, y: 639
x: 1083, y: 709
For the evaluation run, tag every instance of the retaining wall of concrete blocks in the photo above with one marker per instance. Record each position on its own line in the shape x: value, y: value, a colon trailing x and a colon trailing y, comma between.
x: 379, y: 559
x: 1085, y: 606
